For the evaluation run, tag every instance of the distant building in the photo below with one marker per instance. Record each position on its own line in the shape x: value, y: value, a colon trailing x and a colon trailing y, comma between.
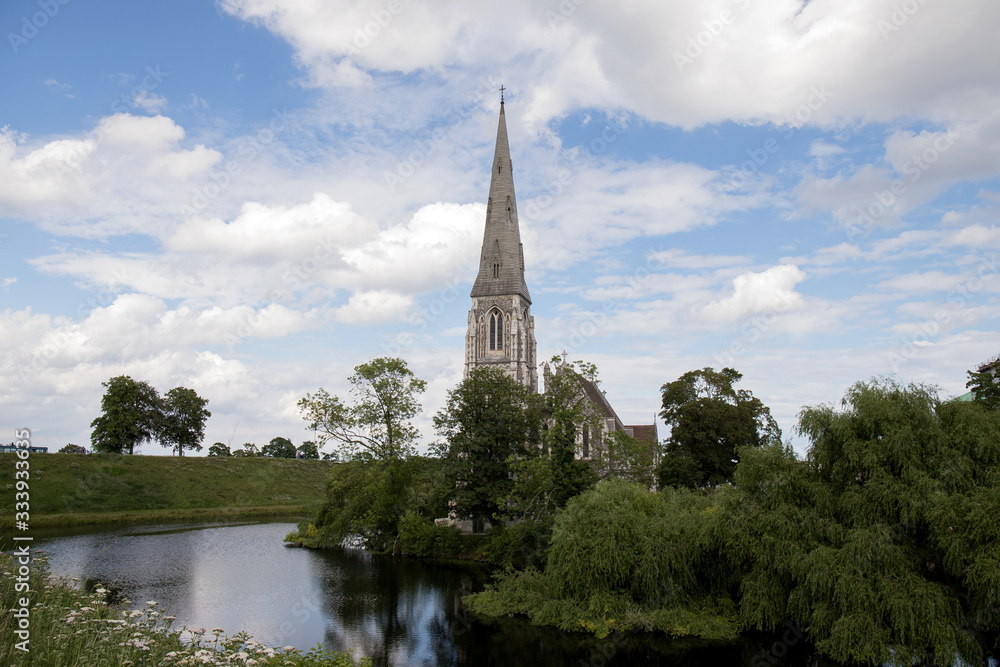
x: 992, y: 366
x: 13, y: 448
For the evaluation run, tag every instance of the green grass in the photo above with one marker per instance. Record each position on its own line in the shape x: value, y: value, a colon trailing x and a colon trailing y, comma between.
x: 75, y: 489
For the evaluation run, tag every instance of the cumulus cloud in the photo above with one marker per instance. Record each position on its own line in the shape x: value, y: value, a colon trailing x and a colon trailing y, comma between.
x: 757, y: 292
x: 129, y: 174
x: 681, y: 63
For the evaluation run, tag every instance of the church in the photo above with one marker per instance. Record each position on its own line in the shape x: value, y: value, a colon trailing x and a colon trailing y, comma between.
x: 501, y: 328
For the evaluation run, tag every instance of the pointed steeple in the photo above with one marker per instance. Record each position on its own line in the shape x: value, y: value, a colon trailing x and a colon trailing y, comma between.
x: 501, y: 263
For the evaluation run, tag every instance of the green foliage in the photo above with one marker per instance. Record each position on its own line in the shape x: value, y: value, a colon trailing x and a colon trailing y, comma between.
x: 985, y: 389
x: 181, y: 421
x: 308, y: 450
x: 625, y: 457
x: 419, y: 536
x: 884, y: 541
x: 570, y: 412
x: 368, y: 499
x: 219, y: 449
x: 710, y: 421
x: 518, y: 545
x: 72, y: 449
x: 249, y: 449
x: 489, y: 422
x: 623, y: 558
x: 279, y: 448
x: 377, y: 424
x: 129, y: 416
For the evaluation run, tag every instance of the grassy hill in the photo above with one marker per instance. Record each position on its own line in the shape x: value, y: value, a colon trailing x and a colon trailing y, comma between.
x: 75, y: 489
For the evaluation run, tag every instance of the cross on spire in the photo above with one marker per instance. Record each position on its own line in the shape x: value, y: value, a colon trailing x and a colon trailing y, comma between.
x: 501, y: 93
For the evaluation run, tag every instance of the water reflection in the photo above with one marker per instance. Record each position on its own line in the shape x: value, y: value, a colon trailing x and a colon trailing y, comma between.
x: 396, y: 611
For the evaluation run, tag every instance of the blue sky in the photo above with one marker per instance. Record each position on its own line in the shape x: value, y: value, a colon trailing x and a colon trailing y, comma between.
x: 251, y: 197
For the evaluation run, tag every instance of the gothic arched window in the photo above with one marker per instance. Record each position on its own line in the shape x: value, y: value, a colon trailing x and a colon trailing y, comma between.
x: 496, y: 331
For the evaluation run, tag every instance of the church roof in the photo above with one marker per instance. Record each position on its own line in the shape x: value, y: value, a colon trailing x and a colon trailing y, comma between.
x: 501, y: 263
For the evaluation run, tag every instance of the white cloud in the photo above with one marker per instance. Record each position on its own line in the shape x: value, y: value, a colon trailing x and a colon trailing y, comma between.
x: 757, y: 292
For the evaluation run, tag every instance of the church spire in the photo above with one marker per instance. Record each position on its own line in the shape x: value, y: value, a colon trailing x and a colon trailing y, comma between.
x: 501, y: 263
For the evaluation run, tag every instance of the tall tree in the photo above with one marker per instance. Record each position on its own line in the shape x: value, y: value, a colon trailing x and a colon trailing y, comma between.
x: 307, y: 450
x: 488, y: 422
x: 710, y: 420
x: 376, y: 425
x: 130, y: 412
x: 985, y: 388
x: 279, y: 448
x: 181, y: 423
x: 569, y: 412
x: 219, y: 449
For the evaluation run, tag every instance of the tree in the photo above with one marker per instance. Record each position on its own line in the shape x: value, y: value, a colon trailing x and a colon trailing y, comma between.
x: 376, y: 426
x: 488, y: 422
x: 884, y: 541
x: 308, y: 450
x: 72, y: 449
x: 985, y: 389
x: 130, y: 416
x: 279, y: 448
x: 625, y: 457
x: 249, y: 449
x: 709, y: 422
x: 570, y: 412
x: 219, y: 449
x: 181, y: 423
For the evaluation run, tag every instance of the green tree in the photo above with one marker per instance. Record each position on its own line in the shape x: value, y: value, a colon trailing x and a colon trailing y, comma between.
x: 570, y: 413
x: 884, y: 541
x: 219, y: 449
x: 249, y: 450
x: 985, y: 389
x: 488, y: 422
x: 710, y: 420
x: 130, y: 416
x: 181, y: 422
x: 625, y: 457
x: 376, y: 425
x: 308, y: 450
x: 72, y: 449
x: 279, y: 448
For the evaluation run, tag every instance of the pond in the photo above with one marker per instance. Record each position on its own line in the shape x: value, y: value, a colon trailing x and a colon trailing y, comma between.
x: 240, y: 576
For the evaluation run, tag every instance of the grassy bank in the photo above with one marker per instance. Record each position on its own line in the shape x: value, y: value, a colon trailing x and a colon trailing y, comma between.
x: 74, y: 489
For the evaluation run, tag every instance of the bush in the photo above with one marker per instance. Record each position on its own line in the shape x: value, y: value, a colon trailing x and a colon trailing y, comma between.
x: 419, y: 536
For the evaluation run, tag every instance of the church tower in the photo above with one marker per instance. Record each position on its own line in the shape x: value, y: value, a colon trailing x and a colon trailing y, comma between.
x: 501, y: 327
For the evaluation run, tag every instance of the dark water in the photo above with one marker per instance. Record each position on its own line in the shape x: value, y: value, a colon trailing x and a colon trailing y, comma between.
x: 397, y: 611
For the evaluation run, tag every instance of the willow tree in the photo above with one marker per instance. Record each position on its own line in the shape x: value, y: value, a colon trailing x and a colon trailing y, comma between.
x: 884, y: 542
